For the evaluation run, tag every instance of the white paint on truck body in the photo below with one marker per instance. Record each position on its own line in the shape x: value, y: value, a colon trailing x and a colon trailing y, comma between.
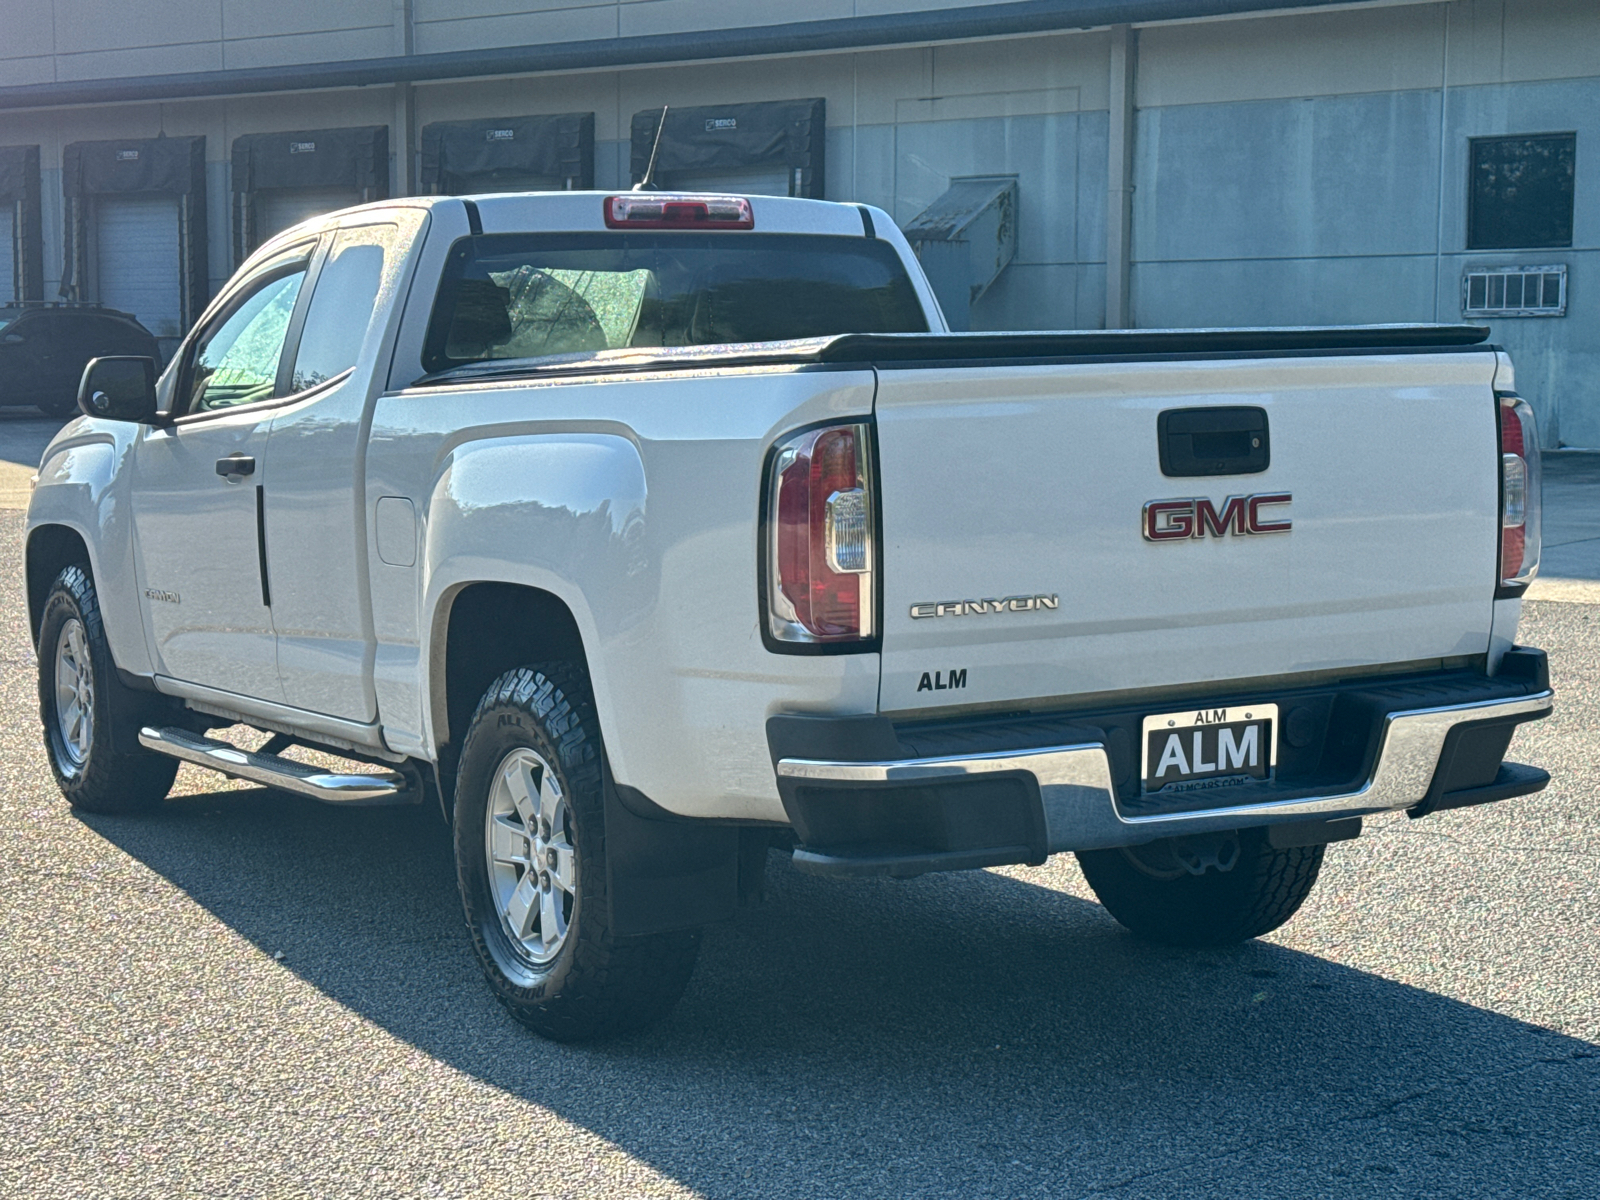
x: 1026, y: 480
x: 635, y: 499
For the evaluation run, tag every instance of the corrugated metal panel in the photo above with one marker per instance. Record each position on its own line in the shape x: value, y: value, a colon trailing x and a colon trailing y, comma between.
x: 136, y: 259
x: 8, y: 250
x: 279, y: 208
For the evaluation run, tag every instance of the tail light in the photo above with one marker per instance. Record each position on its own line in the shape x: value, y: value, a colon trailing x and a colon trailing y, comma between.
x: 1519, y: 493
x: 658, y: 210
x: 820, y: 553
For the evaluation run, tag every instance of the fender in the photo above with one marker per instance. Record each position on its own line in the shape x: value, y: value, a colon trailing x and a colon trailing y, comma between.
x: 83, y: 487
x: 565, y: 513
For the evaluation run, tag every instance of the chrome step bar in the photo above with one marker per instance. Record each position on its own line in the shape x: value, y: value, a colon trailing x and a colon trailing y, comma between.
x: 377, y: 789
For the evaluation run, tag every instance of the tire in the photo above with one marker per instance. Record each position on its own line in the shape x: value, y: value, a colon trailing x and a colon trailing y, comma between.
x: 80, y: 704
x: 1150, y: 892
x: 60, y: 408
x: 536, y: 905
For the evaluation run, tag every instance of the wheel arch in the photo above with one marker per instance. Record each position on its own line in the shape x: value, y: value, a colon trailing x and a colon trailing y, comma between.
x: 481, y: 630
x: 50, y: 549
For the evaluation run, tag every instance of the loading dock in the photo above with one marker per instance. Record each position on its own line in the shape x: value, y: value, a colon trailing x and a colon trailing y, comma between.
x: 508, y: 154
x: 773, y: 148
x: 21, y: 247
x: 135, y: 236
x: 281, y: 179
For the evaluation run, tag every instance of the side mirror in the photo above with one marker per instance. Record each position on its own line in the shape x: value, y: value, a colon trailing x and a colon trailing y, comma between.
x: 119, y: 389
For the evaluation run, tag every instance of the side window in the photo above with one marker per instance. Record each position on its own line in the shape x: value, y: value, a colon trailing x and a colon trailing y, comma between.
x: 236, y: 361
x: 342, y: 305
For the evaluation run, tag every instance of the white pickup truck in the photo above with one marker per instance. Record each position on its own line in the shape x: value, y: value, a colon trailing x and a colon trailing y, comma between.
x: 645, y: 533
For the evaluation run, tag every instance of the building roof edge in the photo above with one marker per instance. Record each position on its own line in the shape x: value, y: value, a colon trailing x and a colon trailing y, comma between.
x: 1020, y: 17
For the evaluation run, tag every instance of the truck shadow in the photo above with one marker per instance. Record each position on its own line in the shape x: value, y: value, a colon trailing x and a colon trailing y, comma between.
x: 966, y: 1035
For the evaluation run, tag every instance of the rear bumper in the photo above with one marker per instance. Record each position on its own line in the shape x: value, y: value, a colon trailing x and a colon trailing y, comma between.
x: 856, y: 813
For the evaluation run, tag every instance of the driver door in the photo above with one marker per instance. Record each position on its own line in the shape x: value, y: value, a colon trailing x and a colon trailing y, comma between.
x: 197, y: 492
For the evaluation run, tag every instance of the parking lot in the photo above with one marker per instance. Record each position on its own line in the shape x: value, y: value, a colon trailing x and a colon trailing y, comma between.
x: 252, y: 995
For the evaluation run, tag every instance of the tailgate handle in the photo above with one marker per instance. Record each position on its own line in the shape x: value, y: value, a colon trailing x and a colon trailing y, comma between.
x: 1213, y: 441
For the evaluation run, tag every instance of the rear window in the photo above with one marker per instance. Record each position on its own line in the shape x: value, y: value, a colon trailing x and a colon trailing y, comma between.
x: 539, y: 295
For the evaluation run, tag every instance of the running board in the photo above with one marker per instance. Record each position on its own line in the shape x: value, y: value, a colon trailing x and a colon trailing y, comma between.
x: 377, y: 789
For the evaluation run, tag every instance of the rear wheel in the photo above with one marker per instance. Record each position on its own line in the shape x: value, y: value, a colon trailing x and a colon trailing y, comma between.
x: 92, y: 747
x: 1203, y: 892
x: 531, y: 861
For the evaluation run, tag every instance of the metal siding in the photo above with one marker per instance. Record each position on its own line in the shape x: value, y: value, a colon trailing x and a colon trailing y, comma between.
x: 137, y: 261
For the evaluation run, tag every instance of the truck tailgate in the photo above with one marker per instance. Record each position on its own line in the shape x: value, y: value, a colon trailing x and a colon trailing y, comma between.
x: 1013, y: 517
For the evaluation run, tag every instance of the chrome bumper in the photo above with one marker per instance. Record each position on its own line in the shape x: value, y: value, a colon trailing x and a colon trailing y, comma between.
x: 1080, y: 802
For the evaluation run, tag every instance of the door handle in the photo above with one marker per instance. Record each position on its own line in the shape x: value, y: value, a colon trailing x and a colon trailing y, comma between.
x: 236, y: 466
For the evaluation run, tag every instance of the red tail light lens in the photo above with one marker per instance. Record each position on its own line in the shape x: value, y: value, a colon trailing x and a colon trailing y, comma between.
x: 658, y: 210
x: 1520, y: 500
x: 820, y: 537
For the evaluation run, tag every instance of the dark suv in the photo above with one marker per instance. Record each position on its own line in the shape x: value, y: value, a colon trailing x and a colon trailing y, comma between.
x: 44, y: 348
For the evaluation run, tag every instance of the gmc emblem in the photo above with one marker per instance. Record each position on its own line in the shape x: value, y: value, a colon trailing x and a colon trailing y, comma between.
x: 1175, y: 520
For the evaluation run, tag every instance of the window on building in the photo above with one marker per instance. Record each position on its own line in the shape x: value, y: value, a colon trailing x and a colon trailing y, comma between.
x: 1521, y: 191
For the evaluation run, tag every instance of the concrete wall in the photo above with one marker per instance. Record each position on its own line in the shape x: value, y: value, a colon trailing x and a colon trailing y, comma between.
x: 1312, y: 169
x: 1289, y: 169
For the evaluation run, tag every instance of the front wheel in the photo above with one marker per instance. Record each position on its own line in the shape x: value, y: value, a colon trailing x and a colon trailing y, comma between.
x: 96, y: 761
x: 530, y: 846
x: 1210, y: 892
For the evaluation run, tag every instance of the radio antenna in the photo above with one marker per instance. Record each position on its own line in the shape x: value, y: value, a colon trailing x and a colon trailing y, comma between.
x: 648, y: 183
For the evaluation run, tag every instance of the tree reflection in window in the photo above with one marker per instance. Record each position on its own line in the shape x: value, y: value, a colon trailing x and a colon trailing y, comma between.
x: 237, y: 363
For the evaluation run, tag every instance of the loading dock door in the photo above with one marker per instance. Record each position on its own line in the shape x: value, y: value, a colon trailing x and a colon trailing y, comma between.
x: 506, y: 181
x: 278, y: 209
x: 281, y: 179
x: 770, y: 148
x: 750, y: 181
x: 508, y: 154
x: 134, y: 225
x: 136, y: 260
x: 8, y: 260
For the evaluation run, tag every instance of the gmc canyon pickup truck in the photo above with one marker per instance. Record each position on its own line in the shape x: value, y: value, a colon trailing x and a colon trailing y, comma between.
x: 645, y: 533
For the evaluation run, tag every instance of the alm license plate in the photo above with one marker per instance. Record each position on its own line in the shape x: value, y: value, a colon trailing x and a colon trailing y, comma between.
x: 1209, y: 747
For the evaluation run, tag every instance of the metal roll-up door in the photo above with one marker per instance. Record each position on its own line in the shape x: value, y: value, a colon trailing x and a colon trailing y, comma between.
x: 8, y: 255
x: 278, y: 209
x: 136, y: 259
x: 505, y: 181
x: 750, y: 181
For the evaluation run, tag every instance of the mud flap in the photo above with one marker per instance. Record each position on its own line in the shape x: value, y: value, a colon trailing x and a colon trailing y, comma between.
x: 665, y: 873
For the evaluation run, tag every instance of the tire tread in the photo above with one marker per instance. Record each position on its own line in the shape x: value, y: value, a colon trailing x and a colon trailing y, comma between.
x: 1262, y: 892
x: 612, y: 986
x: 112, y: 781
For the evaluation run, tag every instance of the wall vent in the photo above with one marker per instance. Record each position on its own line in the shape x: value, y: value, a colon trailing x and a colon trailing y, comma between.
x: 1514, y: 292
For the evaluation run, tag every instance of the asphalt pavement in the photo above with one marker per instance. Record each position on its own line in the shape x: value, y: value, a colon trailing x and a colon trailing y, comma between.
x: 251, y: 995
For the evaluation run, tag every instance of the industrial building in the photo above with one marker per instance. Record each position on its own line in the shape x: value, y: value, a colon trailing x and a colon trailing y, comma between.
x: 1061, y: 164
